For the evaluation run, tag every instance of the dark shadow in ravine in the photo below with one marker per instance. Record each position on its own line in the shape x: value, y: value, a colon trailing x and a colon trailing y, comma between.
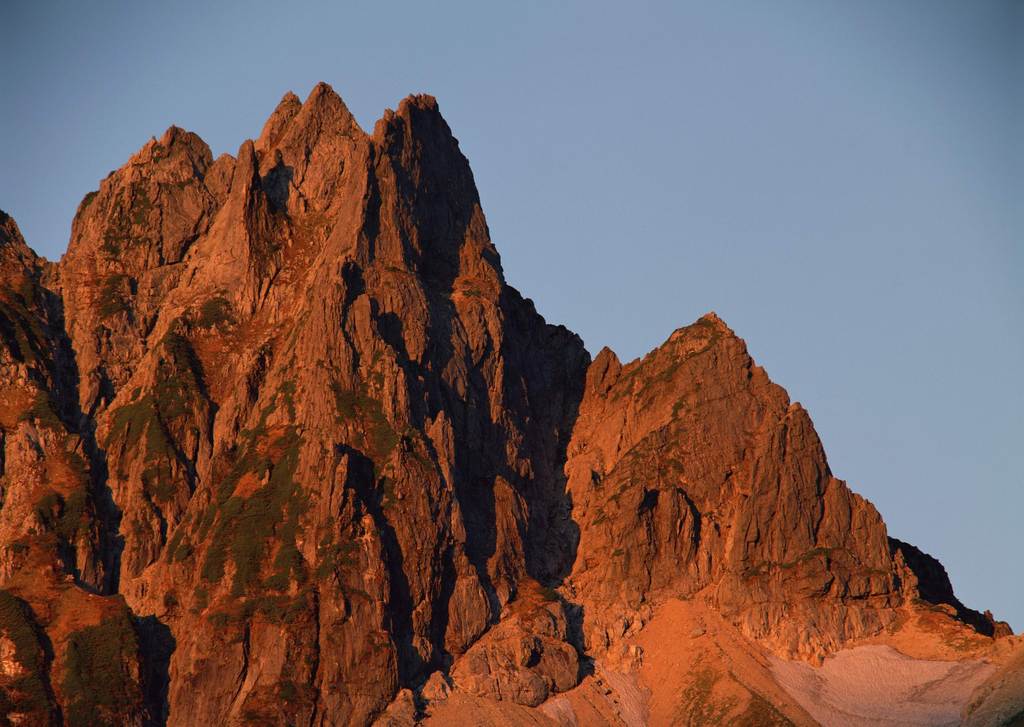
x: 362, y: 481
x: 277, y: 183
x: 65, y: 376
x: 156, y: 645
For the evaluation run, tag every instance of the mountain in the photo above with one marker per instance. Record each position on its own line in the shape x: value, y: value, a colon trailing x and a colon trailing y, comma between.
x: 280, y: 445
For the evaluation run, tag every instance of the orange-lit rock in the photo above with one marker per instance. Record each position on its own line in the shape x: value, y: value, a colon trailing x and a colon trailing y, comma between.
x: 280, y: 445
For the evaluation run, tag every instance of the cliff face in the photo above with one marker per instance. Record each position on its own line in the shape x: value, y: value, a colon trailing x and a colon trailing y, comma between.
x: 65, y: 650
x: 279, y: 442
x: 691, y: 472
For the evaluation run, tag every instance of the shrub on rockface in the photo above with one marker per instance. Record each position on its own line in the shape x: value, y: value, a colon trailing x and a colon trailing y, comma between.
x: 215, y: 312
x: 65, y: 516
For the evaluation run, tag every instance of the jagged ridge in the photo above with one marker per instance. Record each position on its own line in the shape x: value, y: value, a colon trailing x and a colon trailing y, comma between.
x: 282, y: 442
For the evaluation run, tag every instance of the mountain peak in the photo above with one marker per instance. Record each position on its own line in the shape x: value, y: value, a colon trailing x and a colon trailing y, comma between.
x: 418, y: 101
x: 298, y: 124
x: 326, y: 108
x: 322, y: 90
x: 713, y: 319
x: 12, y: 244
x: 280, y: 445
x: 173, y: 134
x: 286, y: 109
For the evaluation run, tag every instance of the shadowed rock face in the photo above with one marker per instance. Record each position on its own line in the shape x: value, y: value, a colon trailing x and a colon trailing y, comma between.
x: 279, y: 441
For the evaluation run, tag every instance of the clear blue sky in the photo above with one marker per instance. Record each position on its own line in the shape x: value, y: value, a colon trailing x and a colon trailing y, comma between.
x: 842, y: 182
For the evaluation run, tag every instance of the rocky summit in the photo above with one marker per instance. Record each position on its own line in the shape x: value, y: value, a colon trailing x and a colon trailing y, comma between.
x: 279, y: 445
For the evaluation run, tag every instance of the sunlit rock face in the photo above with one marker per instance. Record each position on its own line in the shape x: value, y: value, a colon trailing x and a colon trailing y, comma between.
x: 280, y: 445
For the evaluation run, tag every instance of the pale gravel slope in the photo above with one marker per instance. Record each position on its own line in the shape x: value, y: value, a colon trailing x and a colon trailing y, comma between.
x: 877, y: 686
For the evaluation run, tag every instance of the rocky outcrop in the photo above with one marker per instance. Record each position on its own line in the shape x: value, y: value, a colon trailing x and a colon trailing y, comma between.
x: 128, y: 240
x: 281, y: 445
x: 526, y: 657
x: 924, y: 579
x: 690, y: 472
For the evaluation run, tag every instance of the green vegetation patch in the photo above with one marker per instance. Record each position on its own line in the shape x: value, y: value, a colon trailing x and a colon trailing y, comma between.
x: 245, y: 524
x: 65, y: 516
x: 180, y: 547
x: 20, y: 329
x: 159, y: 483
x: 115, y: 295
x: 201, y: 598
x: 87, y: 200
x: 132, y: 207
x: 141, y: 205
x: 287, y: 392
x: 98, y: 686
x: 43, y: 412
x: 130, y: 421
x: 215, y: 312
x: 345, y: 402
x: 275, y: 608
x: 171, y: 401
x: 698, y: 704
x: 759, y: 712
x: 333, y: 557
x: 27, y: 693
x: 548, y: 593
x: 365, y: 411
x: 179, y: 377
x: 665, y: 375
x: 814, y: 553
x: 178, y: 385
